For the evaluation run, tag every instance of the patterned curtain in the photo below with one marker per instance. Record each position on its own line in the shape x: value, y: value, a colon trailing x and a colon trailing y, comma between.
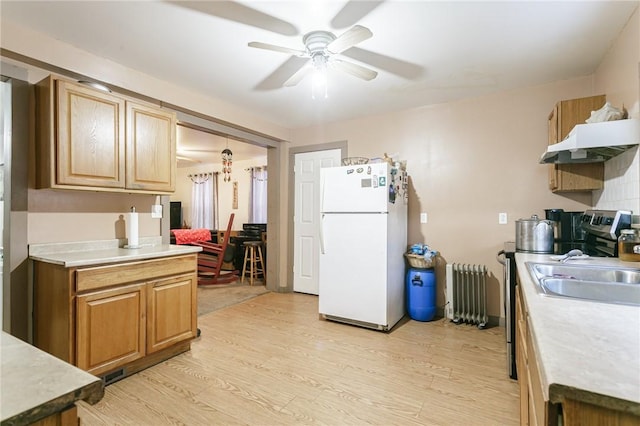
x: 204, y: 200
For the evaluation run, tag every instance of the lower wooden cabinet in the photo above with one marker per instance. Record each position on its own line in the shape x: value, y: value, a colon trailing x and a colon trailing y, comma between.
x: 577, y: 413
x: 111, y: 328
x: 170, y: 314
x: 123, y: 316
x: 521, y: 360
x: 534, y: 410
x: 66, y: 417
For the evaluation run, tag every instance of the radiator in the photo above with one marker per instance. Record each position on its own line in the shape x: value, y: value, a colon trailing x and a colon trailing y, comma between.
x: 467, y: 294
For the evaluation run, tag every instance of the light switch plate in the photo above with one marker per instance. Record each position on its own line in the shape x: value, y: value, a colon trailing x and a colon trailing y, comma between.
x: 502, y: 218
x: 423, y: 218
x: 156, y: 211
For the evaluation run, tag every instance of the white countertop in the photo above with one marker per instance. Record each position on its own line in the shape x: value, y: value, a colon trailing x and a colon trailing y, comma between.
x: 588, y: 351
x: 88, y: 257
x: 34, y: 384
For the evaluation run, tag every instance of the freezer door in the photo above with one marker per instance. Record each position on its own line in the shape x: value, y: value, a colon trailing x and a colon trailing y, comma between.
x: 352, y: 273
x: 363, y: 188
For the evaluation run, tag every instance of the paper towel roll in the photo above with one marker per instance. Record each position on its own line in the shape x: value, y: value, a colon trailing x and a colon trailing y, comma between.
x: 132, y: 230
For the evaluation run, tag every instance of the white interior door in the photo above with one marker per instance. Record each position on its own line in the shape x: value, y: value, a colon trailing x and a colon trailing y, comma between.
x: 306, y: 220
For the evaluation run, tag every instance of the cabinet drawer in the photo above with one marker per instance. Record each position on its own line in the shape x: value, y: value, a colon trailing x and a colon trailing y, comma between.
x: 110, y: 275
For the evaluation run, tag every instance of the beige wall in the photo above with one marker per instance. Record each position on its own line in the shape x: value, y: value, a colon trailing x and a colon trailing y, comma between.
x: 225, y: 190
x: 619, y: 73
x: 619, y: 77
x: 65, y: 216
x: 467, y: 162
x: 470, y: 160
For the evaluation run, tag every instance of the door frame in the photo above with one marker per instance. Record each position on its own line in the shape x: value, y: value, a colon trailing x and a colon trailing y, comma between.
x: 342, y: 146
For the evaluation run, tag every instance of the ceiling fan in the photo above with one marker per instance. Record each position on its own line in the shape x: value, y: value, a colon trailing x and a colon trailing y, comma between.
x: 298, y: 63
x: 320, y: 51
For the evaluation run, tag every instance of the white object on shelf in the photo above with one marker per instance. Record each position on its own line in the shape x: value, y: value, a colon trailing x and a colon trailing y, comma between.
x: 132, y: 229
x: 606, y: 113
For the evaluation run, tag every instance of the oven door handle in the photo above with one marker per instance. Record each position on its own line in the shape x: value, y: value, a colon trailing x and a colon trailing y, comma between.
x: 502, y: 260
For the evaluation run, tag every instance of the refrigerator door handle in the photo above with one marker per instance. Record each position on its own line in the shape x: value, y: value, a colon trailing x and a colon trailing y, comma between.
x: 322, y: 233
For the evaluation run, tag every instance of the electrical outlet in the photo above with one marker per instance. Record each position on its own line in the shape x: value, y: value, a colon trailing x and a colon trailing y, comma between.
x: 156, y: 211
x: 502, y: 218
x: 423, y: 218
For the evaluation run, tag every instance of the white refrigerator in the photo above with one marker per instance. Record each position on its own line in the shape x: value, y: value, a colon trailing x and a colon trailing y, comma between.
x: 363, y: 236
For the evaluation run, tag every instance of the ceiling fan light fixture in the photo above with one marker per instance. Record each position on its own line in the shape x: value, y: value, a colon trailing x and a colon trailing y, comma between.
x: 319, y: 84
x: 319, y: 76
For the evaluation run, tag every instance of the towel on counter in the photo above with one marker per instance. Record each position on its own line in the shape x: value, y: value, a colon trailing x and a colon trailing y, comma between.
x: 187, y: 236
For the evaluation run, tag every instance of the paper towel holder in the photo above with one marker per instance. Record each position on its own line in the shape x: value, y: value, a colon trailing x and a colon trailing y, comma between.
x: 131, y: 226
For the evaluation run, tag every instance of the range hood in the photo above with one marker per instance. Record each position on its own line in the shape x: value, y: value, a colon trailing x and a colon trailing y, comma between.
x: 594, y: 142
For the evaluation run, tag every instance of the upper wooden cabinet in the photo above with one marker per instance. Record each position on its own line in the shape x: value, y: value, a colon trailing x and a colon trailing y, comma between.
x: 563, y: 118
x: 94, y: 140
x: 90, y: 137
x: 151, y: 148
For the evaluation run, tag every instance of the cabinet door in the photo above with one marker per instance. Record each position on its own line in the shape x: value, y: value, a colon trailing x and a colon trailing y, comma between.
x: 90, y: 137
x: 171, y: 311
x: 110, y: 328
x: 553, y: 138
x: 151, y: 148
x: 564, y: 117
x: 580, y: 413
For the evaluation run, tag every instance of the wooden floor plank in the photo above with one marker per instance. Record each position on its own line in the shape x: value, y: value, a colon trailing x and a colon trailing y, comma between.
x: 271, y: 361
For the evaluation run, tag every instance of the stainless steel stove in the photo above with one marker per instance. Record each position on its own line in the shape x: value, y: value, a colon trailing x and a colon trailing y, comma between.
x: 602, y: 229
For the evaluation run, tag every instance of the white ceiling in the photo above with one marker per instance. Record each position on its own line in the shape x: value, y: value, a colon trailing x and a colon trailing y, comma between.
x: 425, y: 52
x: 196, y: 147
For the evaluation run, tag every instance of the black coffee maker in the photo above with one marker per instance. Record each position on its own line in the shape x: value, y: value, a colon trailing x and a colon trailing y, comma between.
x: 567, y: 232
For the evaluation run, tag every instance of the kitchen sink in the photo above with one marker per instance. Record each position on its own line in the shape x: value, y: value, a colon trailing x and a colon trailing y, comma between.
x: 586, y: 272
x: 597, y: 283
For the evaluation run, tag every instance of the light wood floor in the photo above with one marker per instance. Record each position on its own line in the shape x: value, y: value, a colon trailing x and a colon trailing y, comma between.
x: 271, y: 361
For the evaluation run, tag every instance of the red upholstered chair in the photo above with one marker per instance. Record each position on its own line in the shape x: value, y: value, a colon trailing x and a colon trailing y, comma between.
x: 211, y: 258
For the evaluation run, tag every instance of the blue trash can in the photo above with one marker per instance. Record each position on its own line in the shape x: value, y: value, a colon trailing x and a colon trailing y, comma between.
x: 421, y: 293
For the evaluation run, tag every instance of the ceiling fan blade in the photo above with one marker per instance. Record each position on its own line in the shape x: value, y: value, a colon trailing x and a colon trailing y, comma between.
x: 354, y: 69
x: 349, y: 38
x: 298, y: 76
x: 353, y: 12
x: 242, y: 14
x: 282, y: 74
x: 282, y: 49
x: 395, y: 66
